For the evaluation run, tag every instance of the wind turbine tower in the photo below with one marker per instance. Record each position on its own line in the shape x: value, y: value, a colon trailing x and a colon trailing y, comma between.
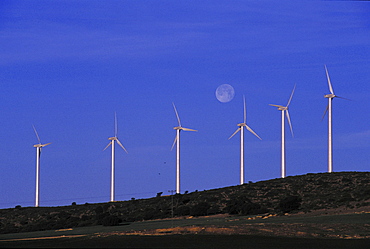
x: 328, y: 109
x: 112, y: 142
x: 38, y: 154
x: 241, y: 125
x: 284, y: 112
x: 177, y: 141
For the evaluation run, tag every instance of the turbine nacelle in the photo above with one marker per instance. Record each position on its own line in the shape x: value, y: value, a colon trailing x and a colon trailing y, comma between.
x: 183, y: 128
x: 330, y: 96
x: 280, y: 107
x: 40, y: 145
x: 241, y: 125
x: 112, y: 141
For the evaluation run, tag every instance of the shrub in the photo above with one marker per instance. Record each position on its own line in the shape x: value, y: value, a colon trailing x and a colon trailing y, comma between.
x: 99, y: 210
x: 182, y: 211
x: 111, y: 220
x: 200, y: 209
x: 290, y: 203
x: 346, y: 198
x: 151, y: 213
x: 241, y: 205
x: 252, y: 208
x: 185, y: 201
x: 215, y: 209
x: 100, y: 217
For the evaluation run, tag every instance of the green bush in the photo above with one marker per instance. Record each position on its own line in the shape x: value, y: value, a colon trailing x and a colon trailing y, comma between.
x: 151, y: 213
x: 290, y: 203
x: 241, y: 205
x: 99, y: 210
x: 182, y: 211
x: 111, y: 220
x: 215, y: 209
x: 200, y: 209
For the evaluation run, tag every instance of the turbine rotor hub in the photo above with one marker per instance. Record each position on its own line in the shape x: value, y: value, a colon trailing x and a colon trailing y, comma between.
x: 330, y: 96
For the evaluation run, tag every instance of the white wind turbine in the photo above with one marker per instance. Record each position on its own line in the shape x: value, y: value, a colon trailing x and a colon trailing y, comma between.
x: 38, y: 154
x: 112, y: 142
x: 284, y: 112
x: 328, y: 109
x: 241, y: 125
x: 177, y: 141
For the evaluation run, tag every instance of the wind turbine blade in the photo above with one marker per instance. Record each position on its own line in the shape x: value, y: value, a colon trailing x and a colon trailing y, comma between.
x: 326, y: 110
x: 120, y: 144
x: 177, y: 115
x: 174, y: 142
x: 329, y: 83
x: 341, y: 97
x: 277, y: 105
x: 237, y: 130
x: 245, y: 110
x: 289, y: 122
x: 115, y: 125
x: 187, y: 129
x: 107, y: 145
x: 43, y: 145
x: 37, y: 135
x: 249, y: 129
x: 291, y: 96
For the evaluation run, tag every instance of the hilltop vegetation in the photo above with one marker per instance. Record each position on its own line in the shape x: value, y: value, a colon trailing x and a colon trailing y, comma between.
x: 278, y: 196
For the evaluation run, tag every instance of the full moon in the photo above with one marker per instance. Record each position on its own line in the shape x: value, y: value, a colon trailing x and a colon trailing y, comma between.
x: 225, y: 93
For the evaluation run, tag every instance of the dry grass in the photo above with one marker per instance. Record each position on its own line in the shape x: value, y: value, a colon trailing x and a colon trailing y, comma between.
x: 298, y: 230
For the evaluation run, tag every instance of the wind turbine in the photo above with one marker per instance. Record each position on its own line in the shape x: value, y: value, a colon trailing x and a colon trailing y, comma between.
x: 241, y: 125
x: 328, y: 109
x: 112, y: 142
x: 177, y: 141
x: 284, y: 112
x: 38, y: 154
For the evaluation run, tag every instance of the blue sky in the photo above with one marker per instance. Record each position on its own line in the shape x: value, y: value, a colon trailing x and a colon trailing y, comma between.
x: 67, y: 66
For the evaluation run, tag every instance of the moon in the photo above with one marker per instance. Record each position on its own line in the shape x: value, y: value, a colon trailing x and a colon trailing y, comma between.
x: 225, y: 93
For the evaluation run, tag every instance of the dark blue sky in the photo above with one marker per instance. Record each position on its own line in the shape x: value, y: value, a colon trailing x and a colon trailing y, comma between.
x: 67, y: 66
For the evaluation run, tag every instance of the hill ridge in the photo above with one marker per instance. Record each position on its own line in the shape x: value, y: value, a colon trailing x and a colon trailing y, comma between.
x: 303, y: 193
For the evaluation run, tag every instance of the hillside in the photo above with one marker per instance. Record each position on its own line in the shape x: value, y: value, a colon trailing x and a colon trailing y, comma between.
x: 306, y: 194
